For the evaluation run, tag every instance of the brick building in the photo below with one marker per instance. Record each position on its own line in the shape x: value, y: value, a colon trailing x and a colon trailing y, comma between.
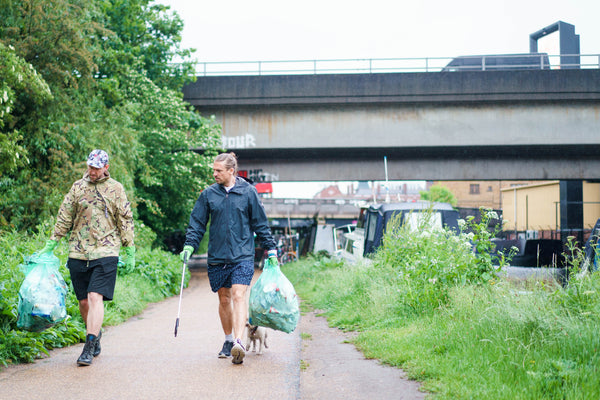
x: 475, y: 194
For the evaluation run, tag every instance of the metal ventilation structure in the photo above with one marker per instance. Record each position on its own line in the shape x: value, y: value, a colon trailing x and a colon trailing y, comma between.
x: 568, y: 42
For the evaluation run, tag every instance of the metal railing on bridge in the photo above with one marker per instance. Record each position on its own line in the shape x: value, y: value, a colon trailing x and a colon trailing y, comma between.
x: 396, y: 65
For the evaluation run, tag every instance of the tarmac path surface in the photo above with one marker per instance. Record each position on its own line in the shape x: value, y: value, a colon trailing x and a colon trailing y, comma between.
x: 141, y: 359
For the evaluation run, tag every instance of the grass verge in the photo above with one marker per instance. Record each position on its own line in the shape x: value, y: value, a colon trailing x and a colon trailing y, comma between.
x: 500, y: 341
x: 430, y: 305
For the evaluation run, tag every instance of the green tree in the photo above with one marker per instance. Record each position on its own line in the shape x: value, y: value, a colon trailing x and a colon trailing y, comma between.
x: 147, y: 38
x: 168, y: 175
x: 60, y: 40
x: 108, y: 64
x: 19, y: 85
x: 440, y: 194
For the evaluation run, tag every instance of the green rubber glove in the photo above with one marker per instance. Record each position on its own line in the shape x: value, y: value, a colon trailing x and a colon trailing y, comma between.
x: 130, y: 257
x: 186, y: 253
x: 272, y: 254
x: 49, y: 247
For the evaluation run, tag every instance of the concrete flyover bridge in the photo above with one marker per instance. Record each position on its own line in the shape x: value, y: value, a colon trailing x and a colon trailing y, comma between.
x: 469, y: 125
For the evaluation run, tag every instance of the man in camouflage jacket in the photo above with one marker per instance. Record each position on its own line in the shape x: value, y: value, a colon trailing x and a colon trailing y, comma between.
x: 98, y: 216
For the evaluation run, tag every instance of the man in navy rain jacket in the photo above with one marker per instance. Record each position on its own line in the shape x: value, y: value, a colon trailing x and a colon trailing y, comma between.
x: 235, y: 212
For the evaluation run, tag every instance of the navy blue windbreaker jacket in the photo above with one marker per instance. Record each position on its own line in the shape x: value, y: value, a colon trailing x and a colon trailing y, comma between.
x: 234, y: 218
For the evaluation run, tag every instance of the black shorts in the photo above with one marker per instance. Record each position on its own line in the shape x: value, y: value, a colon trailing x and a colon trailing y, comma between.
x: 97, y: 276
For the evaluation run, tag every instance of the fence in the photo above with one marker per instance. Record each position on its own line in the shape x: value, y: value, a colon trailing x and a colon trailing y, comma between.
x: 388, y: 65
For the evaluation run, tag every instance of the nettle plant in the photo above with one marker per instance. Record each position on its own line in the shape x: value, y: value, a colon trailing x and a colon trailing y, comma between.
x: 480, y: 235
x: 429, y: 260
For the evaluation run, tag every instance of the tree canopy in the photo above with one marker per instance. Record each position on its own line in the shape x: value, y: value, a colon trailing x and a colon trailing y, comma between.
x: 439, y: 193
x: 77, y: 75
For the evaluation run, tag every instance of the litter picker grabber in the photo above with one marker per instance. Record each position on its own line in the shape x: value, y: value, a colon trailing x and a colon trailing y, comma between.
x: 185, y: 261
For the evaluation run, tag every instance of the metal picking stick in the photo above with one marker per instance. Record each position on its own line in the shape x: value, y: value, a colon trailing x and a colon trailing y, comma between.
x: 180, y: 295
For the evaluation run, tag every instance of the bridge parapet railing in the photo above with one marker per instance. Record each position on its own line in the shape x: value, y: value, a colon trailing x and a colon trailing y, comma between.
x: 396, y: 65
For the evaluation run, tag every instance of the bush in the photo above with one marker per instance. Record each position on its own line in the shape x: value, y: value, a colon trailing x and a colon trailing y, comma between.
x: 157, y: 275
x: 425, y: 262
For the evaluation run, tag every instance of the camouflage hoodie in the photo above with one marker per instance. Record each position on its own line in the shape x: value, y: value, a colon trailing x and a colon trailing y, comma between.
x: 98, y: 216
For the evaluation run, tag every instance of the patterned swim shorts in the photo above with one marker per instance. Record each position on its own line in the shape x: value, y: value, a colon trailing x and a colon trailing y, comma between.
x: 225, y: 275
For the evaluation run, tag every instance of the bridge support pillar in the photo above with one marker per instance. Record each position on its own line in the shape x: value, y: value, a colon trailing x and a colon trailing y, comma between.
x: 571, y: 209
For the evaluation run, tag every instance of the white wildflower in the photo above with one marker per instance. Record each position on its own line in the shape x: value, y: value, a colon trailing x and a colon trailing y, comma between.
x: 492, y: 214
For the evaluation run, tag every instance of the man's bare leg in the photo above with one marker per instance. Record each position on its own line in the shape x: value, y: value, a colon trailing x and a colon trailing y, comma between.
x: 240, y: 315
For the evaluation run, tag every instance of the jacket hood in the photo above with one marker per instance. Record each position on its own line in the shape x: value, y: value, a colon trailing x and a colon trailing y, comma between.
x: 241, y: 183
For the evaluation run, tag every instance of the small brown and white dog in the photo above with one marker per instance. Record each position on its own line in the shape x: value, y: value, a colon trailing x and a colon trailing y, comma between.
x: 254, y: 334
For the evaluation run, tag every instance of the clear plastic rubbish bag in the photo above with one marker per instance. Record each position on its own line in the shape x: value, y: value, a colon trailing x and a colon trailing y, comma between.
x: 273, y: 300
x: 42, y: 293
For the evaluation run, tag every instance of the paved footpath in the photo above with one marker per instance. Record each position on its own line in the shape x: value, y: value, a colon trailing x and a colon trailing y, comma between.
x: 141, y: 359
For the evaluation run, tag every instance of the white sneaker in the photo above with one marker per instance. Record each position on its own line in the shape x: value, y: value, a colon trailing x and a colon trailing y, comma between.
x: 238, y: 352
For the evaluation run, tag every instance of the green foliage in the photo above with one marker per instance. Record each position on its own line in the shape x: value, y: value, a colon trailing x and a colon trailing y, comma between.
x: 157, y: 275
x: 440, y: 194
x: 19, y: 85
x: 58, y: 37
x: 169, y: 176
x: 77, y: 75
x: 115, y: 86
x: 428, y: 261
x: 147, y: 38
x: 470, y: 336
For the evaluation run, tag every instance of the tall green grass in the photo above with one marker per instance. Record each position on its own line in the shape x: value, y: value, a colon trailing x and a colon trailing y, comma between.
x: 156, y: 276
x: 435, y: 308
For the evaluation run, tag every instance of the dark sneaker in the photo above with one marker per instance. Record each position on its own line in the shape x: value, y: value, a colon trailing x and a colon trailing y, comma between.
x: 238, y: 352
x: 87, y: 355
x: 226, y: 350
x: 97, y: 348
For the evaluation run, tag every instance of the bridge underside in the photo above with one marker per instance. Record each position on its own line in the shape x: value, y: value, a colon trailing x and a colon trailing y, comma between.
x: 423, y: 163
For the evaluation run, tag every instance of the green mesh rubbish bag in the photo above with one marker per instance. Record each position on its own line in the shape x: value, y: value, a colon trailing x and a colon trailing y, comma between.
x: 42, y: 293
x: 273, y: 300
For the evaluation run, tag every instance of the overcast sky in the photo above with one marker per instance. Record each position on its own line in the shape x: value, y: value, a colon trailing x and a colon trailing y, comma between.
x: 249, y: 30
x: 267, y: 30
